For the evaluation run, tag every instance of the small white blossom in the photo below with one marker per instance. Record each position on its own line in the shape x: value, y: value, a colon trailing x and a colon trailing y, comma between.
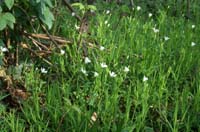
x: 73, y: 13
x: 96, y: 74
x: 92, y: 11
x: 145, y: 79
x: 138, y: 8
x: 112, y: 74
x: 77, y: 27
x: 3, y: 49
x: 108, y: 12
x: 193, y: 44
x: 103, y: 65
x: 93, y: 117
x: 150, y: 14
x: 151, y: 106
x: 193, y: 26
x: 102, y: 48
x: 62, y: 52
x: 166, y: 38
x: 87, y: 60
x: 126, y: 69
x: 43, y: 70
x: 106, y: 22
x: 108, y: 25
x: 84, y: 71
x: 155, y: 30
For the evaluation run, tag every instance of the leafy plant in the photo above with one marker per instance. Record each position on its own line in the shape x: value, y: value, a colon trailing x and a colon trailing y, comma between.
x: 83, y: 8
x: 40, y: 8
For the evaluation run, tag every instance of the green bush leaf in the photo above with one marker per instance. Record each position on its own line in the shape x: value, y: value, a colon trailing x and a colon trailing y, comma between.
x: 9, y: 17
x: 37, y: 1
x: 0, y: 9
x: 9, y: 3
x: 79, y: 5
x: 92, y: 7
x: 1, y: 43
x: 6, y: 19
x: 47, y: 17
x: 2, y: 23
x: 10, y: 24
x: 48, y: 2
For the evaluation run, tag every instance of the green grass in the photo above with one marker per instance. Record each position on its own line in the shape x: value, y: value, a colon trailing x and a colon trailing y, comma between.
x: 65, y: 99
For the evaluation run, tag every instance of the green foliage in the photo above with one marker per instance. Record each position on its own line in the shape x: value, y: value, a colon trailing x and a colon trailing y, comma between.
x: 6, y: 19
x: 66, y: 98
x: 83, y: 8
x: 9, y: 3
x: 41, y: 8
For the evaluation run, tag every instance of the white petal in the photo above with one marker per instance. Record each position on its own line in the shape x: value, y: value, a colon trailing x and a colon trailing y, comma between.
x: 150, y: 14
x: 193, y: 44
x: 62, y: 52
x: 112, y: 74
x: 84, y: 71
x: 3, y: 49
x: 166, y: 38
x: 138, y: 8
x: 102, y: 48
x: 155, y: 30
x: 193, y: 26
x: 103, y: 65
x: 126, y: 69
x: 96, y: 74
x: 108, y: 11
x: 43, y: 70
x: 106, y: 22
x: 77, y: 27
x: 145, y: 79
x: 73, y: 14
x: 87, y: 60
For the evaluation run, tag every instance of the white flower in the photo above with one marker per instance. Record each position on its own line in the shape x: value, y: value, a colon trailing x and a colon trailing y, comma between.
x: 3, y: 49
x: 108, y: 11
x: 155, y: 30
x: 150, y: 14
x: 43, y: 70
x: 112, y: 74
x: 193, y: 44
x: 92, y: 11
x: 87, y: 60
x: 94, y: 117
x: 77, y: 27
x: 166, y: 38
x: 103, y: 65
x: 145, y: 79
x: 106, y: 22
x: 193, y: 26
x: 73, y: 13
x: 62, y: 52
x: 102, y: 48
x: 96, y: 74
x: 84, y: 71
x: 151, y: 106
x: 138, y: 8
x: 108, y: 25
x: 126, y: 69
